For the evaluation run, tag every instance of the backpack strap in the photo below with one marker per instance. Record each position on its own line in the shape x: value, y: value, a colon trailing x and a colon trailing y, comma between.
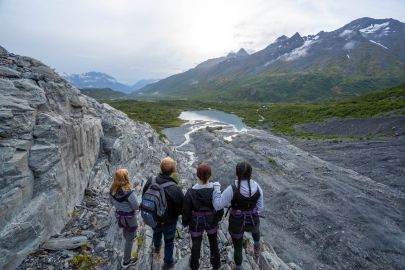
x: 234, y: 188
x: 234, y: 199
x: 167, y: 184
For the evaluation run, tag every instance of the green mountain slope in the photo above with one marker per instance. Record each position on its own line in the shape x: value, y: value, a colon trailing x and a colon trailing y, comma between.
x: 364, y: 55
x: 102, y: 93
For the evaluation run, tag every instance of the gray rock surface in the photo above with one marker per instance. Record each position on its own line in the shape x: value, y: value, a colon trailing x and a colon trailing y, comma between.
x: 106, y: 245
x: 54, y: 142
x: 318, y: 215
x: 65, y: 243
x: 381, y: 159
x: 383, y: 125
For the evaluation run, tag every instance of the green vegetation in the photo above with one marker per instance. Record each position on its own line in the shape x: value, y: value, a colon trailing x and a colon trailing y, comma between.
x: 164, y: 114
x: 102, y: 93
x: 283, y: 117
x: 280, y: 117
x: 314, y: 86
x: 85, y: 261
x: 272, y: 161
x: 74, y: 213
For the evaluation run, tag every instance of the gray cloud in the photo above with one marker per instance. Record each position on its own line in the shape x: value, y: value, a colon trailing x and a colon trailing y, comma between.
x: 132, y: 40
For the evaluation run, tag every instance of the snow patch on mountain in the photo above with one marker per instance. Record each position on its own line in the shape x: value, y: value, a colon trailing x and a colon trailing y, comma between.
x: 268, y: 63
x: 346, y: 33
x: 349, y: 45
x: 379, y: 44
x: 374, y: 28
x: 310, y: 37
x: 298, y: 52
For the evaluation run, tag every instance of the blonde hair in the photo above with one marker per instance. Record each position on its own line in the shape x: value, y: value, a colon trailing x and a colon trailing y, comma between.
x: 168, y: 166
x: 121, y: 180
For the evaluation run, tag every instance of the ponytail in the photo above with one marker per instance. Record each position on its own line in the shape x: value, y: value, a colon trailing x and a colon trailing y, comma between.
x: 243, y: 172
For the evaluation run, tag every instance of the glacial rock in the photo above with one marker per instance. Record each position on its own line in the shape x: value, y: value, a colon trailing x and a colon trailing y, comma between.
x: 65, y: 243
x: 54, y: 142
x: 317, y: 214
x: 107, y: 245
x: 8, y: 72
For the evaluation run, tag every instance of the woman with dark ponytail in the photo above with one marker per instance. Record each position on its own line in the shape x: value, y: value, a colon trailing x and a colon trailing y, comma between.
x: 199, y: 215
x: 246, y: 199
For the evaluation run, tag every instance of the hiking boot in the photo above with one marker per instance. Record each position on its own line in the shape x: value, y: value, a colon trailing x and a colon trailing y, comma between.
x: 257, y: 249
x: 168, y: 266
x: 129, y: 263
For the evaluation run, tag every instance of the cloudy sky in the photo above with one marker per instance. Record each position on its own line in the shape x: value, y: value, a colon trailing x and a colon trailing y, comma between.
x: 139, y: 39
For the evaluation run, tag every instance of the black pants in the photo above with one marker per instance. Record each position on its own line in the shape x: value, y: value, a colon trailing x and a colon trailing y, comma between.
x: 238, y: 245
x: 196, y: 249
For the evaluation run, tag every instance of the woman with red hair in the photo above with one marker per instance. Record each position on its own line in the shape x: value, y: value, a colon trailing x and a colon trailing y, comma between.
x: 199, y: 214
x: 123, y: 198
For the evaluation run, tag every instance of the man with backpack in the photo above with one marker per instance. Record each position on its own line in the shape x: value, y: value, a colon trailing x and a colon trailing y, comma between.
x: 162, y: 201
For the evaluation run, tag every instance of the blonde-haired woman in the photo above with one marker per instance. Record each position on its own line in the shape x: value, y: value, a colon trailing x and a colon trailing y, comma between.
x: 123, y: 198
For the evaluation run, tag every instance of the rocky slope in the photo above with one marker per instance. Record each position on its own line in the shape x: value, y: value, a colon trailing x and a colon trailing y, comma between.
x: 58, y: 150
x: 318, y: 214
x: 54, y: 142
x: 92, y: 234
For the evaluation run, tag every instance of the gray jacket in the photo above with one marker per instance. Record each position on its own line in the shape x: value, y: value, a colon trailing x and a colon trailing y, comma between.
x: 124, y: 203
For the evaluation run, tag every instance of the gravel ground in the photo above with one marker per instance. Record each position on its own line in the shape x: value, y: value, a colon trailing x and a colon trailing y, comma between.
x: 389, y: 126
x: 383, y: 159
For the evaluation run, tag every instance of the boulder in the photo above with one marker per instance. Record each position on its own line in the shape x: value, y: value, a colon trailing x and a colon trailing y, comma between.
x: 65, y: 243
x: 8, y: 72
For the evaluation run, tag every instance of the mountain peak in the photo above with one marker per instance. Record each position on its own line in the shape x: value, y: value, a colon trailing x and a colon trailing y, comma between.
x: 96, y: 79
x: 242, y: 52
x: 296, y: 36
x: 281, y: 38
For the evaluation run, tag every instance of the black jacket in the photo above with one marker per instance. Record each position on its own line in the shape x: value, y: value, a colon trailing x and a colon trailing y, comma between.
x: 198, y: 198
x: 174, y: 197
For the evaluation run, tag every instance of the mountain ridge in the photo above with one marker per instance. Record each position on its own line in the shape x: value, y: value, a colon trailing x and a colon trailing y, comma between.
x: 363, y: 55
x: 100, y: 80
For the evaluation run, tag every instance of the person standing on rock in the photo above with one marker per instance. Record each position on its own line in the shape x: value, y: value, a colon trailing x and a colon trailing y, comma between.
x: 123, y: 198
x: 199, y: 214
x: 246, y: 199
x: 172, y: 199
